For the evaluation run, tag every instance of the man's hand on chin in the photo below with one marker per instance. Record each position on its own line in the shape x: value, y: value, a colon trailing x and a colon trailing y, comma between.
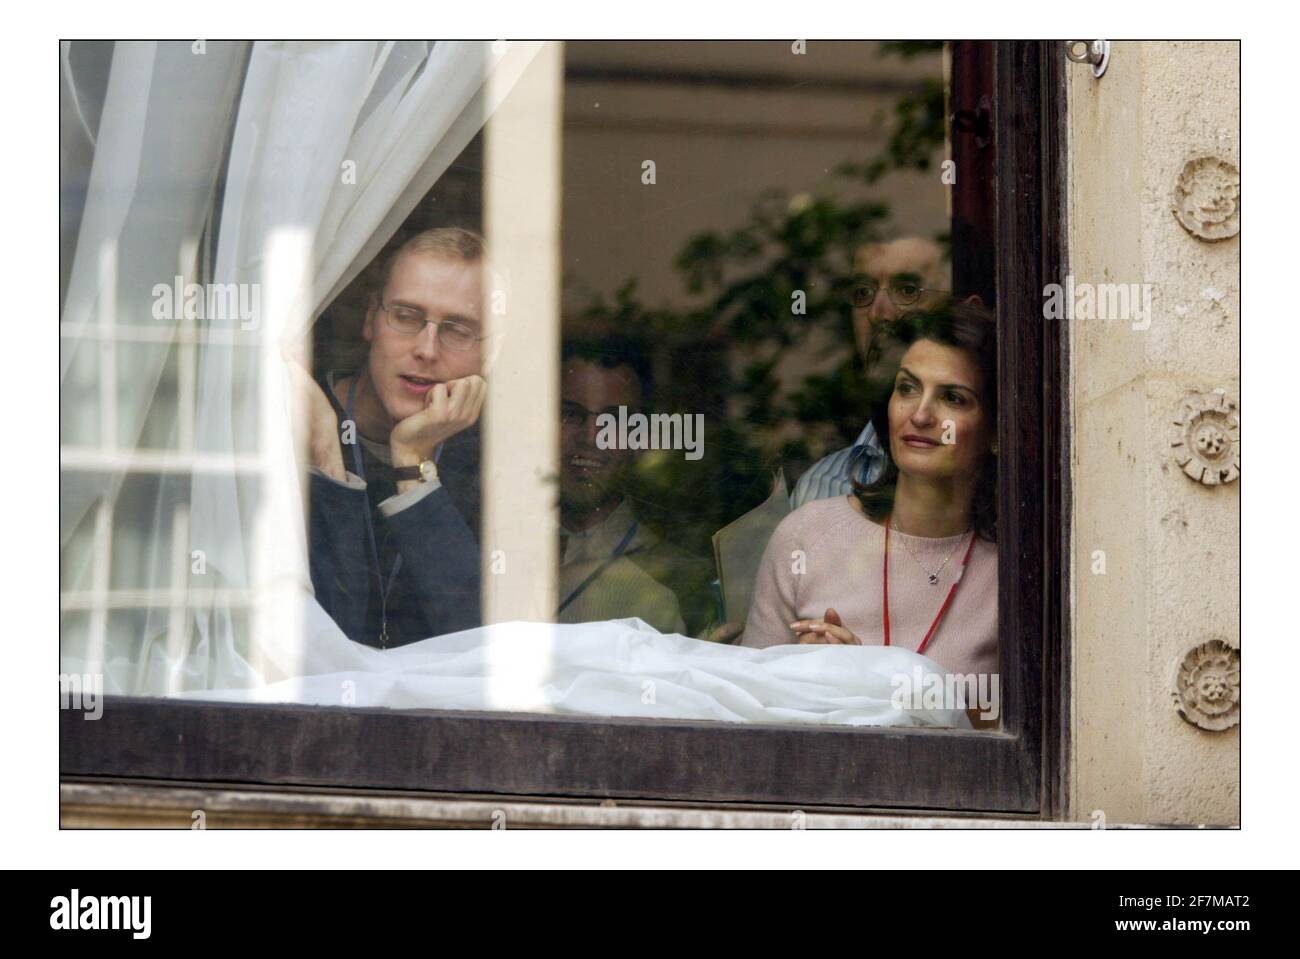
x: 449, y: 408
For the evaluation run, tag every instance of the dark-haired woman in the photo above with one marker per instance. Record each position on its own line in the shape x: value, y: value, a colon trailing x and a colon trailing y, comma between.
x: 909, y: 561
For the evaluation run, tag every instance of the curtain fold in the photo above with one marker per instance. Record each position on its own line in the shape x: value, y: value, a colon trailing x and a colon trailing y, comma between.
x: 407, y: 145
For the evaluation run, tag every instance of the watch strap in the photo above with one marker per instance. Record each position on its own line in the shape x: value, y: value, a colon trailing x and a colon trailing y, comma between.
x: 426, y: 472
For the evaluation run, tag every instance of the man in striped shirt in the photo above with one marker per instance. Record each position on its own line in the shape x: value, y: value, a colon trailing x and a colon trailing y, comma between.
x: 891, y: 278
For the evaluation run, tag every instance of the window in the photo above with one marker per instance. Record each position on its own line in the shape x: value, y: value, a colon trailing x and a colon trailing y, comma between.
x: 728, y: 240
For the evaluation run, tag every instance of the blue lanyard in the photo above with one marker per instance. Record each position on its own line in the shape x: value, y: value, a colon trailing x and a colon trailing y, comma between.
x: 384, y: 590
x: 618, y: 551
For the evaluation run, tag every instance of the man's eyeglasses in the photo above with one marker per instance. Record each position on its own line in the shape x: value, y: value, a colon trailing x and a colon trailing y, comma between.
x: 452, y: 335
x: 901, y: 291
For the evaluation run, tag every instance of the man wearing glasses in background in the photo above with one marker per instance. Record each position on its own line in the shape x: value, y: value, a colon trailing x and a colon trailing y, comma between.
x: 394, y: 551
x: 891, y: 279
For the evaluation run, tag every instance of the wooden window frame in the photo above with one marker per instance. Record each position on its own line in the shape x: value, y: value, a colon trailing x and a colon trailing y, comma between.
x: 1015, y: 771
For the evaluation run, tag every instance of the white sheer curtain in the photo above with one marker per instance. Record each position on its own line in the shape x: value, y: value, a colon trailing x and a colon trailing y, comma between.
x: 145, y: 153
x: 181, y: 530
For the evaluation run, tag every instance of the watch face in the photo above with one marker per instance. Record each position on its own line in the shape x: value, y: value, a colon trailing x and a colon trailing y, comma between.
x: 427, y: 471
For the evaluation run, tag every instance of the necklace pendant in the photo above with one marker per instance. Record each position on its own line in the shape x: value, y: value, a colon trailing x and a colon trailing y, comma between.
x: 934, y: 579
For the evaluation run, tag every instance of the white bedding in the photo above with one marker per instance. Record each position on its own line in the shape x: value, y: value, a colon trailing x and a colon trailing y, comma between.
x: 615, y: 668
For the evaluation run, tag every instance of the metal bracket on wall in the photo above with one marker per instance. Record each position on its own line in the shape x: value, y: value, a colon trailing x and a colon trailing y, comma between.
x: 1095, y: 52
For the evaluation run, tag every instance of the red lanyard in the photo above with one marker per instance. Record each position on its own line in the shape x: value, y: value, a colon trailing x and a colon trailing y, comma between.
x: 942, y: 609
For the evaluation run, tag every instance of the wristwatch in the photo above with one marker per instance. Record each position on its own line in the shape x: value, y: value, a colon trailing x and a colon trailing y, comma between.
x: 426, y: 472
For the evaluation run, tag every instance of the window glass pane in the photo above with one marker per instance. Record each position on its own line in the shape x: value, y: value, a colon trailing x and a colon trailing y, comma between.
x: 79, y: 393
x: 621, y: 378
x: 755, y: 239
x: 77, y: 553
x: 154, y: 426
x: 144, y: 518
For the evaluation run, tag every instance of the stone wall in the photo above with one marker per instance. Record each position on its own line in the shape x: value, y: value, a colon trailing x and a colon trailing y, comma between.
x: 1156, y: 551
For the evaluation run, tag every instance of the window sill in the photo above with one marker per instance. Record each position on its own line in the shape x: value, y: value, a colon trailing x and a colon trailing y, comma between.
x: 87, y: 805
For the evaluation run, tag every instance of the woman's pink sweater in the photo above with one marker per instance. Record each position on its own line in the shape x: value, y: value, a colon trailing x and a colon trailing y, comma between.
x: 827, y: 554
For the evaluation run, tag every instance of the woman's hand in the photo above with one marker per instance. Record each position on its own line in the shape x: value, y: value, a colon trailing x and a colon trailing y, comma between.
x: 829, y: 630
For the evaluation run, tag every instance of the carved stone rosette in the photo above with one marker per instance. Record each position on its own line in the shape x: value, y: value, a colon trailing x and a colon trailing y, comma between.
x: 1207, y: 198
x: 1207, y: 686
x: 1206, y: 438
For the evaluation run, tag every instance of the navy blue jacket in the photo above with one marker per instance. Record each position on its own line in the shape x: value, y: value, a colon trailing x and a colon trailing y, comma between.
x: 436, y: 589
